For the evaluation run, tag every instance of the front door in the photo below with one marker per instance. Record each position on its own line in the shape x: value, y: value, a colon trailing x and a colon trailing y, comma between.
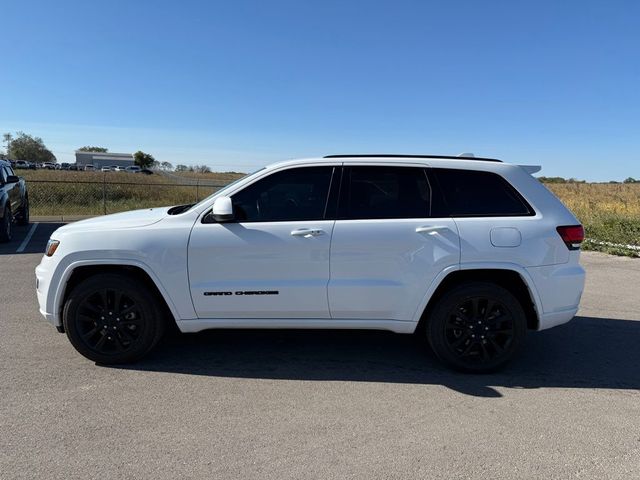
x: 272, y: 261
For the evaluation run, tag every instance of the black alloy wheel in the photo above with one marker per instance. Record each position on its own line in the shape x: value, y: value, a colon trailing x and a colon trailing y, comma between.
x: 112, y: 319
x: 477, y: 327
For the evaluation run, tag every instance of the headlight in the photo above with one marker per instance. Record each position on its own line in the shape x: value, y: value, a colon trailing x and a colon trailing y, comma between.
x: 52, y: 246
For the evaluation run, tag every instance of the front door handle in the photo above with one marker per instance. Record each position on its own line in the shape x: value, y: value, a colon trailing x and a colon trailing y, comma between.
x: 431, y: 230
x: 307, y: 232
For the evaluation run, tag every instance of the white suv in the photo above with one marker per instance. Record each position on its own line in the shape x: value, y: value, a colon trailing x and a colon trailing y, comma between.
x: 470, y: 253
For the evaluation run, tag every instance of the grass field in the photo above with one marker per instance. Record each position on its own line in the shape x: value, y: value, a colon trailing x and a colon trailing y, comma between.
x: 609, y: 212
x: 69, y: 193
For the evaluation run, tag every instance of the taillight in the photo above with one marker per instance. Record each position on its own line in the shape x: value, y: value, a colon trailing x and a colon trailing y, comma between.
x: 572, y: 236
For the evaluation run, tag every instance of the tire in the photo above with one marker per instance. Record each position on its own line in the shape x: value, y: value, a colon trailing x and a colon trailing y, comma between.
x: 6, y: 225
x: 476, y: 327
x: 23, y: 216
x: 113, y: 319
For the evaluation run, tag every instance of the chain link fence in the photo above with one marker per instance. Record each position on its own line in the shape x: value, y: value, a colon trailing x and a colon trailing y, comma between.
x: 68, y: 198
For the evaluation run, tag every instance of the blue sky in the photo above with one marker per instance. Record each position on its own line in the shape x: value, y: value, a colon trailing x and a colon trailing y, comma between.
x: 238, y: 84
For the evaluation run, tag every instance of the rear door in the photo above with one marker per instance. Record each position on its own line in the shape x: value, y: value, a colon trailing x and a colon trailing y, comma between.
x: 387, y: 248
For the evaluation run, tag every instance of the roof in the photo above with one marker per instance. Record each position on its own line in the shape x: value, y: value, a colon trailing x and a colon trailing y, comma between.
x: 443, y: 161
x: 396, y: 155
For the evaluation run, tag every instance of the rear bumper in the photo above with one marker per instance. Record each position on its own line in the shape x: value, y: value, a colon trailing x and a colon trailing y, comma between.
x: 550, y: 320
x: 560, y: 289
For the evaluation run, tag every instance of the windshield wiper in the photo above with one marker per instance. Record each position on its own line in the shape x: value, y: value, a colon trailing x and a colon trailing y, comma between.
x: 180, y: 208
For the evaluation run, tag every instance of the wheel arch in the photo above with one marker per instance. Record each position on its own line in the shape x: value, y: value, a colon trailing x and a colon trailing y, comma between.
x: 76, y: 273
x: 511, y: 278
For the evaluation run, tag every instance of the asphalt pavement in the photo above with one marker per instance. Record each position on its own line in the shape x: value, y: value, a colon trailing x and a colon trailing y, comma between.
x: 320, y: 404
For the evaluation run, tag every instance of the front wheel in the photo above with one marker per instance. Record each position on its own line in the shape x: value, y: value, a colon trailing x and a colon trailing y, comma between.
x: 477, y: 327
x: 112, y: 319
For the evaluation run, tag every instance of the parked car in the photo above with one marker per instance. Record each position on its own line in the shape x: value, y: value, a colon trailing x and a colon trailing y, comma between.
x: 23, y: 164
x: 470, y: 253
x: 74, y: 167
x: 119, y: 169
x: 14, y: 201
x: 133, y: 169
x: 105, y: 169
x: 146, y: 171
x: 65, y: 166
x: 49, y: 166
x: 89, y: 168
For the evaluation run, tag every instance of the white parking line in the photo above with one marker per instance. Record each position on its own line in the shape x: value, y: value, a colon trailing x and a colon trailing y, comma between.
x: 25, y: 242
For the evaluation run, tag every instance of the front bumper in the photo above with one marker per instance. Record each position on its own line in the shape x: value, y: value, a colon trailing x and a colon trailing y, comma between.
x: 45, y: 304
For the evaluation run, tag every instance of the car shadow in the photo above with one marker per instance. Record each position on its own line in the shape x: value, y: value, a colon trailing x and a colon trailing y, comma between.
x: 585, y: 353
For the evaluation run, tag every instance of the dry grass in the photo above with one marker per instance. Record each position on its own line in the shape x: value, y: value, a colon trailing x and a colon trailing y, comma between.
x: 119, y: 177
x: 609, y: 212
x: 54, y: 192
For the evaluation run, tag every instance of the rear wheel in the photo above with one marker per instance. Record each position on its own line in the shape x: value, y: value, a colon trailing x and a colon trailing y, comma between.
x: 112, y: 319
x: 476, y: 327
x: 5, y: 225
x: 23, y: 216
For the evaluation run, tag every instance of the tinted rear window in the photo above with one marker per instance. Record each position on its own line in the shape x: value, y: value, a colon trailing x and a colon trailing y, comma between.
x: 471, y: 193
x: 385, y: 192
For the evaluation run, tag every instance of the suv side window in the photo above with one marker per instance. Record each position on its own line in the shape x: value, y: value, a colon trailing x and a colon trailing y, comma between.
x: 3, y: 175
x: 474, y: 193
x: 296, y: 194
x: 371, y: 192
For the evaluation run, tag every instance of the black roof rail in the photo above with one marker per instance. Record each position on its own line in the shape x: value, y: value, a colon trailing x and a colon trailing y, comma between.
x: 395, y: 155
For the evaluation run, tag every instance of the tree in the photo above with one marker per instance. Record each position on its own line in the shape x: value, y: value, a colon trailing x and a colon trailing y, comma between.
x: 93, y: 149
x: 630, y: 180
x: 143, y: 160
x: 166, y: 166
x: 26, y: 147
x: 181, y: 168
x: 6, y: 138
x: 202, y: 169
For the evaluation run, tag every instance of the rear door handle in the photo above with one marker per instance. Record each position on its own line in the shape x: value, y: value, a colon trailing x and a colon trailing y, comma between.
x: 431, y: 230
x: 307, y: 232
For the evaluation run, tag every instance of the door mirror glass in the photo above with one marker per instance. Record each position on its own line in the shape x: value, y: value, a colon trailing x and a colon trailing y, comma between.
x: 12, y: 179
x: 222, y: 209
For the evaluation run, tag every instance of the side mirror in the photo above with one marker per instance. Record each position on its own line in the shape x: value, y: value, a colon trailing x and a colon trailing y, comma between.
x: 222, y: 209
x: 12, y: 179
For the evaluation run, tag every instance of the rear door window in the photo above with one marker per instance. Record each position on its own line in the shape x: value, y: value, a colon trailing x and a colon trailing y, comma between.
x: 372, y: 192
x: 473, y: 193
